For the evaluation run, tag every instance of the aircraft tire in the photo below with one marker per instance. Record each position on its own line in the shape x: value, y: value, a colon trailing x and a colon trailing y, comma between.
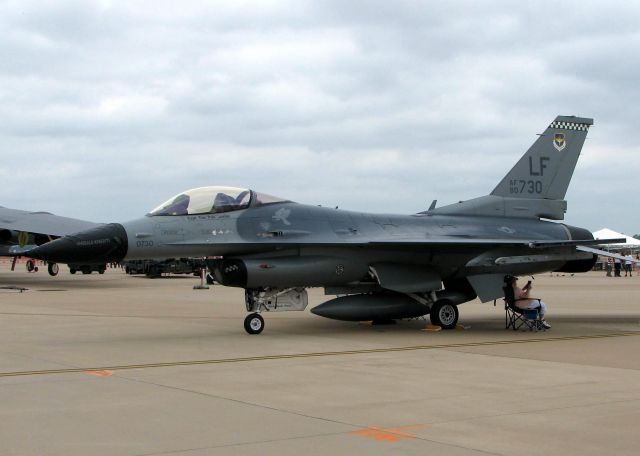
x: 72, y: 271
x: 53, y: 269
x: 31, y: 266
x: 254, y: 323
x: 444, y: 314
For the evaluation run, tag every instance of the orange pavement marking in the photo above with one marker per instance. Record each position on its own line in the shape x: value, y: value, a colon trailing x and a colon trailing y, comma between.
x: 99, y: 373
x: 386, y: 434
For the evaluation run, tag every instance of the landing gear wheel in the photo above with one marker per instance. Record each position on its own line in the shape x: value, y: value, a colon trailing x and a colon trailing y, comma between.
x: 444, y: 314
x: 254, y: 323
x: 53, y: 269
x: 31, y: 266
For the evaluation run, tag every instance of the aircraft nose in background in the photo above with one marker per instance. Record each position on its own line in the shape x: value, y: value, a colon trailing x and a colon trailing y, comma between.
x: 104, y: 244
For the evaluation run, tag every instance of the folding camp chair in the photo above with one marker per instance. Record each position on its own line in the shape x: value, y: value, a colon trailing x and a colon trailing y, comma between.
x: 515, y: 317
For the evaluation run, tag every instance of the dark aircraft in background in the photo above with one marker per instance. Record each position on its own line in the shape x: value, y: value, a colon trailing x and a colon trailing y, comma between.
x: 21, y: 231
x: 383, y: 267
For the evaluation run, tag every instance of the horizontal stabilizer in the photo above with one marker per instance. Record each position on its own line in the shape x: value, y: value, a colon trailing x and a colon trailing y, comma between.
x: 545, y: 244
x: 605, y: 253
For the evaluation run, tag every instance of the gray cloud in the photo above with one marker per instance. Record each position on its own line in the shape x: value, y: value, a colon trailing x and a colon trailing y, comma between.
x: 108, y: 108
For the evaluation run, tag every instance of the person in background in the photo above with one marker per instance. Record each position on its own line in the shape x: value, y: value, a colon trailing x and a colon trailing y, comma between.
x: 628, y: 262
x: 617, y: 266
x: 608, y: 267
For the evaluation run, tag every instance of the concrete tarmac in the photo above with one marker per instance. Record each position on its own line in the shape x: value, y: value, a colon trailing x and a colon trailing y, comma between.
x: 117, y: 365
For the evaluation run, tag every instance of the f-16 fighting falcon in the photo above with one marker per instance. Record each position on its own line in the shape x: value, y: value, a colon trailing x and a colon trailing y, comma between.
x: 382, y: 267
x: 23, y: 230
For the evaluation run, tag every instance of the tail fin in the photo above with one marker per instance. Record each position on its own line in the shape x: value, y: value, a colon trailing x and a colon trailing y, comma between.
x: 536, y: 186
x: 545, y: 171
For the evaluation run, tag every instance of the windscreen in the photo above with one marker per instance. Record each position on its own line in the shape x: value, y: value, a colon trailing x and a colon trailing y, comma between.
x: 205, y: 200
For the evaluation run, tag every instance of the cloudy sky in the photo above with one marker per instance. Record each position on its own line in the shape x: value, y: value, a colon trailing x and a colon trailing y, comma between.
x: 107, y: 108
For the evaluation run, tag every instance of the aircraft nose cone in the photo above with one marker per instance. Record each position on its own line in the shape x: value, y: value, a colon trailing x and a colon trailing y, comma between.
x: 103, y: 244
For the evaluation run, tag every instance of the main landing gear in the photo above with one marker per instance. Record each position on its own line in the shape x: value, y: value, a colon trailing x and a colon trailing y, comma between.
x: 31, y: 266
x: 53, y: 269
x: 444, y: 314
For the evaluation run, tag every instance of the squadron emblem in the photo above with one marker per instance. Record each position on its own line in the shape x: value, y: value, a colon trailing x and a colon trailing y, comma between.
x: 282, y: 215
x: 559, y: 141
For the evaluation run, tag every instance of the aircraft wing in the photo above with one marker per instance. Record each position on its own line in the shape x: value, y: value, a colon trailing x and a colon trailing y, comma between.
x: 41, y: 222
x: 501, y: 242
x: 444, y: 241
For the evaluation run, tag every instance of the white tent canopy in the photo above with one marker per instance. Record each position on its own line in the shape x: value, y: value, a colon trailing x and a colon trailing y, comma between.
x: 606, y: 233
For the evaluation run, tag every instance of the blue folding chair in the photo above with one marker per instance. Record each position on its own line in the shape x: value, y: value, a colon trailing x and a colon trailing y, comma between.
x: 517, y: 318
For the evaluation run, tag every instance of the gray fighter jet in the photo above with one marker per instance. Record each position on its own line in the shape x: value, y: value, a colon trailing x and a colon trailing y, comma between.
x: 21, y: 231
x: 382, y: 267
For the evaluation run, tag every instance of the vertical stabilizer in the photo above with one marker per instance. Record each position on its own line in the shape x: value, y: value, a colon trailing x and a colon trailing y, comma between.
x: 535, y: 187
x: 544, y: 172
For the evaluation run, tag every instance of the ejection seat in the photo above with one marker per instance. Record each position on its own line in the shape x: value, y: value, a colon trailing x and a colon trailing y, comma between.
x: 517, y: 318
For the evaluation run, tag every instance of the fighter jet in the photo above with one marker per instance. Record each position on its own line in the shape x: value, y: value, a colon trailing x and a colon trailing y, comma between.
x: 382, y: 267
x: 21, y: 231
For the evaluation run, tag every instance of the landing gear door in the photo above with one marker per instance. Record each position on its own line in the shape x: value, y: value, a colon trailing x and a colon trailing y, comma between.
x: 487, y: 286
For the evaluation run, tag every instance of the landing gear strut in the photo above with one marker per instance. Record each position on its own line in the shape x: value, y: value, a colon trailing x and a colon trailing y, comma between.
x: 254, y: 323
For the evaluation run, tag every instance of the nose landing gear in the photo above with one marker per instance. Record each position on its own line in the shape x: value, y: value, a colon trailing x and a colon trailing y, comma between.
x: 271, y: 300
x: 254, y: 323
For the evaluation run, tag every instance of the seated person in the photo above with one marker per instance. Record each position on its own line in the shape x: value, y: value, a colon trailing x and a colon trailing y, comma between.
x: 524, y: 302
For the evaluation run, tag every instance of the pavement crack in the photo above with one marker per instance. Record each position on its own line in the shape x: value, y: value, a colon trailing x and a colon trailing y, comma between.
x: 354, y: 426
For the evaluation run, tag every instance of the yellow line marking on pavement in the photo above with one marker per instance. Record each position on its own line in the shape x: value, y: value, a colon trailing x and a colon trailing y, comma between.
x: 314, y: 355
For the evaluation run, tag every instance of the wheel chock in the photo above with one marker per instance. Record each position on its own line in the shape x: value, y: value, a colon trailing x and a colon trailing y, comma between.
x: 432, y: 328
x: 462, y: 327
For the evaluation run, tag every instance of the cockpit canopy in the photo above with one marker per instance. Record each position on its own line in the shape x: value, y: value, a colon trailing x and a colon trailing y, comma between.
x: 213, y: 200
